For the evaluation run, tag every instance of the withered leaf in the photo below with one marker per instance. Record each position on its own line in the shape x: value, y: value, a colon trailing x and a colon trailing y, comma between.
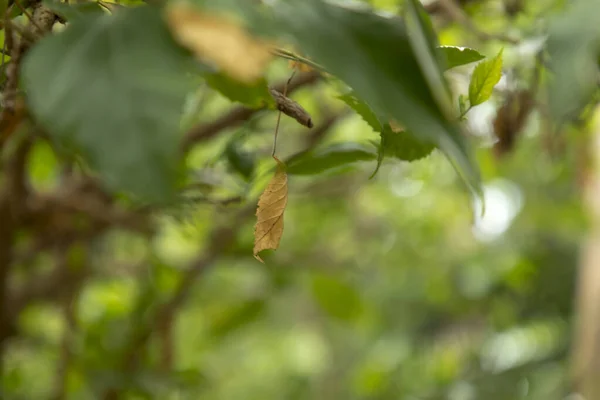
x: 219, y: 40
x: 269, y: 215
x: 510, y: 120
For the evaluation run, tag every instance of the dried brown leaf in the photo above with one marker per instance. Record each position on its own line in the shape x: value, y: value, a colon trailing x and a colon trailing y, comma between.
x: 510, y: 120
x: 219, y: 40
x: 269, y: 215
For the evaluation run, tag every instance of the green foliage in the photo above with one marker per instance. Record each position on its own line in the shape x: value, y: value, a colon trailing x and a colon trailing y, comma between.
x: 572, y: 66
x: 362, y: 109
x: 333, y: 156
x: 457, y: 56
x: 254, y: 95
x: 336, y: 298
x: 73, y: 11
x: 383, y: 52
x: 403, y: 145
x: 381, y: 289
x: 240, y: 161
x: 117, y: 97
x: 485, y: 76
x: 400, y: 145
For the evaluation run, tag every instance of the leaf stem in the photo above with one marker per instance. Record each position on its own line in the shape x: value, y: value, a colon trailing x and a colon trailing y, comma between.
x: 462, y: 115
x: 288, y: 55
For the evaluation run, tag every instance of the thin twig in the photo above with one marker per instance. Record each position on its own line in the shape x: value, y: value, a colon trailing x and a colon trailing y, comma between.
x: 28, y: 15
x: 285, y: 88
x: 238, y: 115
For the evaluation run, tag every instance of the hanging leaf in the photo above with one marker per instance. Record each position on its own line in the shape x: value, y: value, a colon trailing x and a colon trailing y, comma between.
x: 252, y: 95
x: 385, y: 72
x: 333, y: 156
x: 457, y: 56
x: 269, y: 215
x: 485, y: 76
x: 219, y: 40
x: 117, y: 97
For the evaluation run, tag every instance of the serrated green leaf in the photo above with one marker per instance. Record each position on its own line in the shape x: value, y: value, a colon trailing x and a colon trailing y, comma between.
x: 336, y: 155
x: 404, y: 146
x: 457, y: 56
x: 362, y: 109
x: 117, y: 97
x: 336, y: 298
x: 399, y: 145
x: 485, y: 76
x: 254, y: 95
x: 384, y: 71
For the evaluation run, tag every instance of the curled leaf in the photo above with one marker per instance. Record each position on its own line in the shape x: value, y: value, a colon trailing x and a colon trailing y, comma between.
x: 219, y: 40
x: 269, y: 215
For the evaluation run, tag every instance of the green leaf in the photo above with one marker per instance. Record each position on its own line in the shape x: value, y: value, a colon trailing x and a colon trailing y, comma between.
x: 573, y: 48
x: 240, y: 160
x: 336, y: 298
x: 404, y: 146
x: 384, y: 71
x: 236, y: 317
x: 255, y: 95
x: 336, y: 155
x: 485, y: 76
x: 117, y: 97
x: 400, y: 145
x: 362, y: 109
x: 424, y: 43
x: 457, y: 56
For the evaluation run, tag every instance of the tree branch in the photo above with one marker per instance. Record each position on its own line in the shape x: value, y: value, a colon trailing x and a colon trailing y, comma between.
x: 238, y: 115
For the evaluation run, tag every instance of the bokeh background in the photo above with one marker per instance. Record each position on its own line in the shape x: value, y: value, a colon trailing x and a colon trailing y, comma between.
x: 395, y: 287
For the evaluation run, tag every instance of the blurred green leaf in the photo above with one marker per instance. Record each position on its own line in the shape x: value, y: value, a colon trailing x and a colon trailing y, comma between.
x: 457, y: 56
x: 362, y: 109
x: 485, y: 76
x: 573, y: 48
x: 404, y: 146
x: 336, y: 155
x: 255, y: 95
x: 373, y: 54
x: 235, y: 317
x: 117, y: 97
x: 71, y: 12
x: 424, y: 43
x: 336, y: 298
x: 400, y: 145
x: 240, y: 161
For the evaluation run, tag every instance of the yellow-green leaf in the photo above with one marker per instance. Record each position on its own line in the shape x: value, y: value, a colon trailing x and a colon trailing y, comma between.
x: 486, y: 75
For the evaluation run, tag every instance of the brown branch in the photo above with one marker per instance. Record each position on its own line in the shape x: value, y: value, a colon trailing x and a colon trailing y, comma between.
x: 221, y: 238
x: 70, y: 295
x: 238, y: 115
